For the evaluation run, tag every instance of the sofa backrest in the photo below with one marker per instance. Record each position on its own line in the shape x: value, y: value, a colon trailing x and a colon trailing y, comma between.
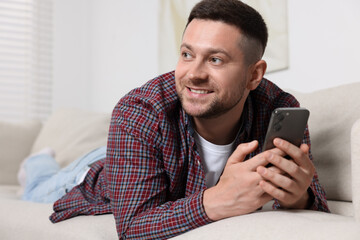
x: 73, y: 133
x: 333, y: 112
x: 16, y: 140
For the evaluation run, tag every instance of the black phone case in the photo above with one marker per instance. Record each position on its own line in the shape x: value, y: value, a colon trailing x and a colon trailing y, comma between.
x: 288, y: 124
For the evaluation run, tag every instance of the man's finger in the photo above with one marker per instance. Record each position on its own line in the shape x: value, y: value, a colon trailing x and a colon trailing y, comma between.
x: 242, y: 151
x: 278, y: 152
x: 276, y: 170
x: 273, y: 191
x: 298, y: 155
x: 261, y: 159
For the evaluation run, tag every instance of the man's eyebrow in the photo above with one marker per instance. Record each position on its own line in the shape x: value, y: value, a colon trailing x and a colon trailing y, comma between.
x: 186, y: 46
x: 209, y: 50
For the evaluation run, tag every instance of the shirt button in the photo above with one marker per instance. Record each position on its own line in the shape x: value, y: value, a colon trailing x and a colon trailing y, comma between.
x: 198, y: 162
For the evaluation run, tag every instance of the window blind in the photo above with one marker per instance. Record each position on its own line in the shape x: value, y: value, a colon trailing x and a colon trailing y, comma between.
x: 25, y: 59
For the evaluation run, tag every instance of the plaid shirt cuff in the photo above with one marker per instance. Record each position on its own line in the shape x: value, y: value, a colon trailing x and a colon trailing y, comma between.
x: 195, y: 211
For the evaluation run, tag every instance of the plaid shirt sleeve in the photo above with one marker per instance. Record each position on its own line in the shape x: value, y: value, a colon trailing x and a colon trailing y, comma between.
x: 88, y: 198
x: 138, y: 179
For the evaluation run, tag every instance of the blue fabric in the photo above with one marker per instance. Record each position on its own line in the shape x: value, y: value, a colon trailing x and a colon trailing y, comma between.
x: 46, y: 182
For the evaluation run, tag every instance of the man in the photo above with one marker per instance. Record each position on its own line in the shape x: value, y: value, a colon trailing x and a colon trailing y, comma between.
x: 171, y: 139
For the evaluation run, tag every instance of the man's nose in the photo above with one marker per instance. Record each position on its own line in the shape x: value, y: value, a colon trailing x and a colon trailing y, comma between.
x: 197, y: 71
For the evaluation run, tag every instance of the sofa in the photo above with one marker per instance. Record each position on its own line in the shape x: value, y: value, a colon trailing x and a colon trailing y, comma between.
x: 335, y: 133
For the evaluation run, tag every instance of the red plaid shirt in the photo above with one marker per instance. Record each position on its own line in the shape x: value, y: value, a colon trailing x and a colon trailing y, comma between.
x: 152, y: 179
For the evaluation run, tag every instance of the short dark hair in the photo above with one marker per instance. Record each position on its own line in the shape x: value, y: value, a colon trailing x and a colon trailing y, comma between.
x: 234, y: 12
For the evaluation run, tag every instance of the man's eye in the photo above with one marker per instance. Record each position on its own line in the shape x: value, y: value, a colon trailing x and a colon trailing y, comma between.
x: 186, y: 55
x: 216, y: 60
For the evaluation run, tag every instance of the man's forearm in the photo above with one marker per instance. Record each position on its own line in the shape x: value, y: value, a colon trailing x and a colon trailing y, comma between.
x: 164, y: 221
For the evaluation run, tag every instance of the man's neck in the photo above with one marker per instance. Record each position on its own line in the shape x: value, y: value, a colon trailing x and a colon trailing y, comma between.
x: 220, y: 130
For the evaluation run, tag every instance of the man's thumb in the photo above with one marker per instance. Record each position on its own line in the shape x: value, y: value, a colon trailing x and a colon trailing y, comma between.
x: 241, y: 151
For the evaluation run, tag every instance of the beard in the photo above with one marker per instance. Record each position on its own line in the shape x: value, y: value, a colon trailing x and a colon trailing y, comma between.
x: 215, y: 108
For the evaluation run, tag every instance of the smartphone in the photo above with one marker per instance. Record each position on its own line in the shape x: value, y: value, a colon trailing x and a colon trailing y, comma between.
x: 288, y: 124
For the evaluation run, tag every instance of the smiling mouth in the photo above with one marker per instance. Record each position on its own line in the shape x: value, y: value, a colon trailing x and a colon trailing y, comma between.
x: 199, y: 91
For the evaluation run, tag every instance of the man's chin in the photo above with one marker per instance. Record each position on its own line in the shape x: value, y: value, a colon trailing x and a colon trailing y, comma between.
x: 202, y: 113
x: 198, y: 110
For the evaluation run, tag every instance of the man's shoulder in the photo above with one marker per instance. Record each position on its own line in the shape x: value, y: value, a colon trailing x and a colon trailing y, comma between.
x: 147, y: 110
x: 158, y: 95
x: 270, y: 96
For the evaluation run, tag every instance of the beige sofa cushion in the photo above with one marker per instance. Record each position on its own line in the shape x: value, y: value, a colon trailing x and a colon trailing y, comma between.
x: 30, y: 221
x: 72, y: 133
x: 333, y: 112
x: 279, y: 225
x: 16, y: 140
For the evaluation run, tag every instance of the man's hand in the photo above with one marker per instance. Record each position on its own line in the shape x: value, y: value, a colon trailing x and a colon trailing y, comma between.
x: 238, y: 191
x: 289, y: 188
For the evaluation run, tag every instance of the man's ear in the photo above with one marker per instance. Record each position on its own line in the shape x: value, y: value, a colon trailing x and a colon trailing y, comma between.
x: 256, y: 73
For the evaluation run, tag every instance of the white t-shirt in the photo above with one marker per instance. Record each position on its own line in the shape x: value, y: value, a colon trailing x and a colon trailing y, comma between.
x: 214, y: 158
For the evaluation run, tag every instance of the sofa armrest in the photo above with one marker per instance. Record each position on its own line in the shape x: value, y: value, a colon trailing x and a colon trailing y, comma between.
x: 16, y: 140
x: 355, y: 167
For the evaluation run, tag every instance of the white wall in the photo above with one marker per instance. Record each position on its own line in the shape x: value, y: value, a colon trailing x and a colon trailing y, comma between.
x: 324, y: 45
x: 124, y: 48
x: 71, y: 75
x: 104, y: 48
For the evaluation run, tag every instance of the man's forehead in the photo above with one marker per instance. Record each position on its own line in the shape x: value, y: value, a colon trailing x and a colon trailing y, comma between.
x: 211, y: 34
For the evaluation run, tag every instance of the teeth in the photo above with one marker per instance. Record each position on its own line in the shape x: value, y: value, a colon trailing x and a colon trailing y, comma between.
x: 199, y: 91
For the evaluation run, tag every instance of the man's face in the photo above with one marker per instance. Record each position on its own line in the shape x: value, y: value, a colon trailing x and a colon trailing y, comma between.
x: 211, y: 76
